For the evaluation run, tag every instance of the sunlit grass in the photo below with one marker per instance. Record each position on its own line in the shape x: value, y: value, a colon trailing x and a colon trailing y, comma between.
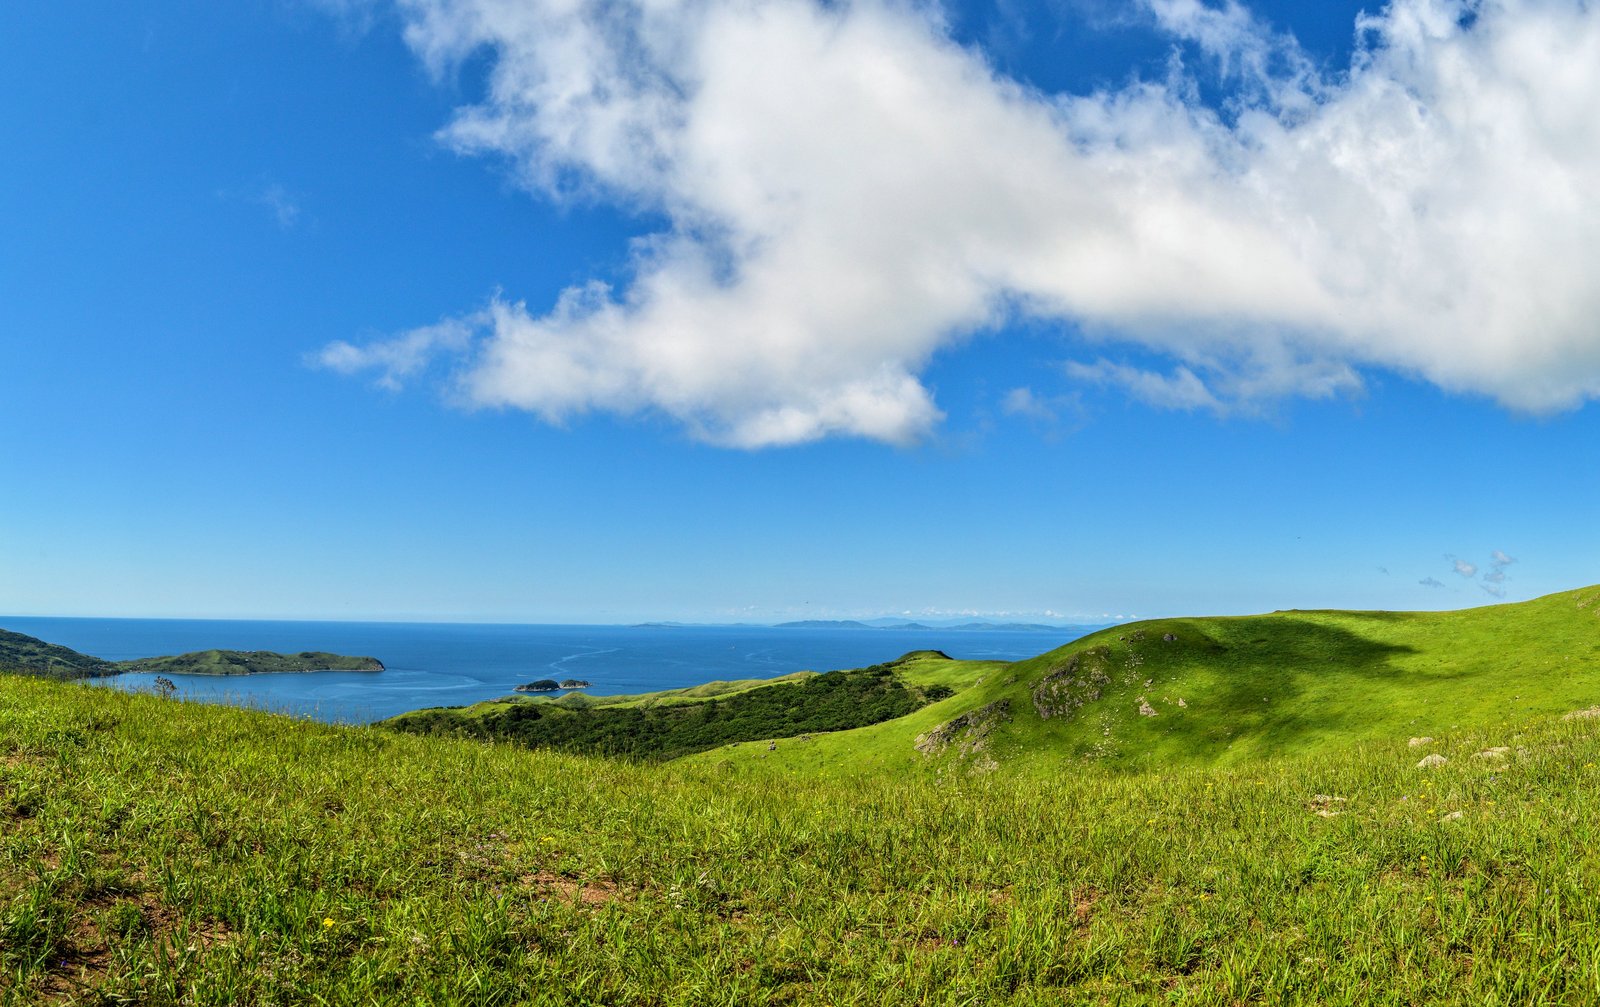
x: 162, y: 852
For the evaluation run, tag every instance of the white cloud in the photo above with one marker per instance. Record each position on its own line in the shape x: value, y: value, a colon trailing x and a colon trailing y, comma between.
x: 1463, y: 568
x: 1500, y: 559
x: 849, y: 192
x: 396, y: 360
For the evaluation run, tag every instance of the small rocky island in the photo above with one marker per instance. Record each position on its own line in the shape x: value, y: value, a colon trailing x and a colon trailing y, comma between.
x: 551, y: 685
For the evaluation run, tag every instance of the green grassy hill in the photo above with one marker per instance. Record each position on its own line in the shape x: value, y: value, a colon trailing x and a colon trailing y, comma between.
x: 29, y: 655
x: 662, y: 726
x: 163, y: 852
x: 1276, y: 837
x: 1228, y: 691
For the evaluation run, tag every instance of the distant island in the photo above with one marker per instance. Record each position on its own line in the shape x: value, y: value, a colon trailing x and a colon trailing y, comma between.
x: 33, y: 656
x: 249, y: 662
x: 551, y: 685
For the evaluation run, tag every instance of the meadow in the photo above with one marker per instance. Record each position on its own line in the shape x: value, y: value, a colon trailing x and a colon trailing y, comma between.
x: 158, y: 851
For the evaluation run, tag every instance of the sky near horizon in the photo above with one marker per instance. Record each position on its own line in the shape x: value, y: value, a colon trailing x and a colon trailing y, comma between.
x: 745, y: 310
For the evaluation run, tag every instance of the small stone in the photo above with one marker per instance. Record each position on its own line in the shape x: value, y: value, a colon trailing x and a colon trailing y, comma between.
x: 1431, y: 761
x: 1454, y: 816
x: 1419, y: 742
x: 1145, y: 709
x: 772, y: 747
x: 1168, y: 638
x: 1323, y: 805
x: 1182, y: 703
x: 1590, y: 714
x: 1494, y: 754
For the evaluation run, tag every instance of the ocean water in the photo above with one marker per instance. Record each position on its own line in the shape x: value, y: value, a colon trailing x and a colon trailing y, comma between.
x: 452, y: 664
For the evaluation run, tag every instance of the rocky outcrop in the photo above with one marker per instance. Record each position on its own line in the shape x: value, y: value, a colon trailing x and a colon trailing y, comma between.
x: 1061, y: 692
x: 968, y: 732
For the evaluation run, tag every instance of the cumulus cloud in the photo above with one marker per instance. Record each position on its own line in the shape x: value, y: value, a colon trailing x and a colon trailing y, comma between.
x: 1462, y: 567
x: 848, y: 191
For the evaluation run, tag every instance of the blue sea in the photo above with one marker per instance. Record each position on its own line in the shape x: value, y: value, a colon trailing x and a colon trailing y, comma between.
x: 453, y: 664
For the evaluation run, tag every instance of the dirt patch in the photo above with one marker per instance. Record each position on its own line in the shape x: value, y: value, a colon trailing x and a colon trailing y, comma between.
x: 1083, y: 905
x: 1591, y: 713
x: 584, y: 893
x: 83, y: 963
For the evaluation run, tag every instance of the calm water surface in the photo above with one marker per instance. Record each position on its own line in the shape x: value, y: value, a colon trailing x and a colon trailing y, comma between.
x: 449, y: 664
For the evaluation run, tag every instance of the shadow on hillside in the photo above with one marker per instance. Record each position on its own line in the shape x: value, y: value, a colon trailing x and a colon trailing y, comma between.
x: 1261, y: 670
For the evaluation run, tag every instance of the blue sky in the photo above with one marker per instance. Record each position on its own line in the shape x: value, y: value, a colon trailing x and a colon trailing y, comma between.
x: 513, y: 311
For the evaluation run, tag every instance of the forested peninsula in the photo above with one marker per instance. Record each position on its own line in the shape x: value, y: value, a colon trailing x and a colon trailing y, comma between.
x: 31, y: 656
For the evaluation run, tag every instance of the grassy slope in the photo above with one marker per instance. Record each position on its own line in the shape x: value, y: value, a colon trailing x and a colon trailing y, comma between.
x: 666, y: 697
x: 30, y: 655
x: 1252, y: 686
x: 162, y: 852
x: 664, y: 726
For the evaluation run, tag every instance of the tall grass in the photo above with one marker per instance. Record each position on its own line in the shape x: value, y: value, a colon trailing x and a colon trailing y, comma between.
x: 163, y: 852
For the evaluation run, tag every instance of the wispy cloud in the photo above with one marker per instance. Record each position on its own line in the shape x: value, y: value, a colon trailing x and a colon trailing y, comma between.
x: 394, y: 361
x: 285, y: 208
x: 847, y: 191
x: 1431, y: 582
x: 1054, y: 415
x: 1498, y: 561
x: 1181, y: 390
x: 1024, y: 402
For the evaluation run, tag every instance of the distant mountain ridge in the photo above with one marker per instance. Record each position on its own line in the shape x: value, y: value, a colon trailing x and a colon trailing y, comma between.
x: 964, y: 627
x: 973, y: 625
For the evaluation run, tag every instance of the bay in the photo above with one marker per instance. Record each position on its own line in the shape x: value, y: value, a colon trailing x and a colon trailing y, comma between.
x: 453, y: 664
